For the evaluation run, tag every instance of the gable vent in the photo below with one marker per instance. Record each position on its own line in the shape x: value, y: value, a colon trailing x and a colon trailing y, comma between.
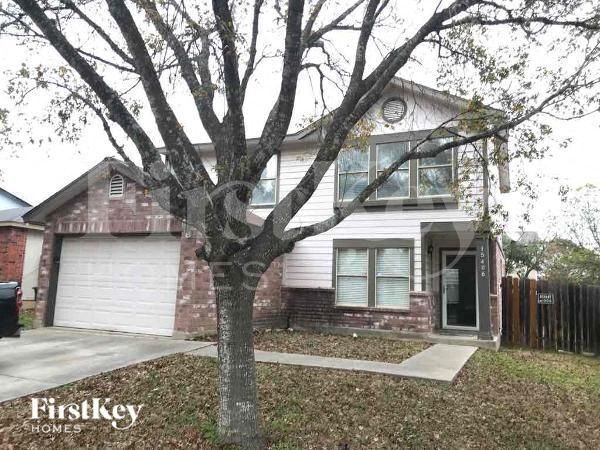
x: 117, y: 186
x: 393, y: 110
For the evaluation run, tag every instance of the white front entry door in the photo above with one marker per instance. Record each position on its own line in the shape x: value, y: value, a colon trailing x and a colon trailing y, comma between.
x: 119, y: 284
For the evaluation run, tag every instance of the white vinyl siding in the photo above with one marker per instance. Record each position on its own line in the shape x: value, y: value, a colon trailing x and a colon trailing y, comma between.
x: 352, y: 279
x: 392, y: 278
x: 310, y: 263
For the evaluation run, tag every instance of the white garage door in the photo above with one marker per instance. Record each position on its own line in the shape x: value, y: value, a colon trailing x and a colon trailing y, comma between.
x: 119, y: 284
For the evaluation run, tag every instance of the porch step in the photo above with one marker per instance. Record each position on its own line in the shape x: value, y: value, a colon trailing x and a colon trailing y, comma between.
x: 469, y: 340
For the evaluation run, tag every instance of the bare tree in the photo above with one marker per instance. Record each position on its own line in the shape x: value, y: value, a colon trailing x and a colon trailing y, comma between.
x: 122, y: 48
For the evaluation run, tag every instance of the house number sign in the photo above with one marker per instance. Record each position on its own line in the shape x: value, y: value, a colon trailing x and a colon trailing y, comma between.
x: 482, y: 261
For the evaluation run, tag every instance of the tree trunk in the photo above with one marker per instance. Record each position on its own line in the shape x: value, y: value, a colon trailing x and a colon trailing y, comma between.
x: 238, y: 403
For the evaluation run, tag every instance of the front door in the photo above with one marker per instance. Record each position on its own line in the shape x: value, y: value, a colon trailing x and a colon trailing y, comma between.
x: 459, y: 290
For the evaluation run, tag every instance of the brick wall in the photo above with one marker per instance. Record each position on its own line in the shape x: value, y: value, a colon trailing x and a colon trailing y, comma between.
x: 196, y: 311
x: 92, y: 212
x: 12, y: 253
x: 495, y: 300
x: 316, y: 308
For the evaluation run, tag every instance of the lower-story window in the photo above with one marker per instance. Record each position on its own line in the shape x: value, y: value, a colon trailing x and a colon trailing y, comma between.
x: 376, y: 275
x: 352, y: 278
x: 393, y: 278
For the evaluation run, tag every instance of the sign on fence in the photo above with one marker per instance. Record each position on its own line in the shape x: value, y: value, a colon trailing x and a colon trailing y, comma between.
x: 545, y: 298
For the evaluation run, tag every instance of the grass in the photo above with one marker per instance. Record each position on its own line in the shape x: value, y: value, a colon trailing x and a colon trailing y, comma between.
x: 26, y: 319
x: 510, y: 399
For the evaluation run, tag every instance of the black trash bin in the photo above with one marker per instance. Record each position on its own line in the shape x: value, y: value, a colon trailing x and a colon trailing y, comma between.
x: 10, y: 306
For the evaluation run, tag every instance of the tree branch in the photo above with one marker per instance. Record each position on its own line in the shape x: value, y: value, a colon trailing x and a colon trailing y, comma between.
x: 359, y: 98
x: 117, y: 110
x: 115, y: 48
x: 252, y: 50
x: 309, y: 37
x: 180, y: 150
x: 278, y: 122
x: 203, y: 103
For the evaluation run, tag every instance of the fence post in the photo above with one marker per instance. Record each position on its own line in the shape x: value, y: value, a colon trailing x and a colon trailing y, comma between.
x: 531, y: 290
x: 515, y: 311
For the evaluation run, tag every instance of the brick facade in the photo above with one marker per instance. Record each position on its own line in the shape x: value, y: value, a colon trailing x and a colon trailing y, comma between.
x: 196, y: 302
x: 92, y: 212
x: 496, y: 283
x: 12, y: 253
x: 315, y: 308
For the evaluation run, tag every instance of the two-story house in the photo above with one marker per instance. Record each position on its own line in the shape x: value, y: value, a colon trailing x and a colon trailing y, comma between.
x: 410, y: 261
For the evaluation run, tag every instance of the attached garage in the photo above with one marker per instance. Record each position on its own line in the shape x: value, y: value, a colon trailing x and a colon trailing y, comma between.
x: 124, y: 283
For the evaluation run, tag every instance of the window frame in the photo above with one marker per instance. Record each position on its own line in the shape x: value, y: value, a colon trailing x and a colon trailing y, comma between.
x: 413, y: 201
x: 276, y: 179
x: 338, y: 174
x: 337, y: 275
x: 409, y: 277
x: 372, y: 245
x: 452, y: 166
x: 376, y: 145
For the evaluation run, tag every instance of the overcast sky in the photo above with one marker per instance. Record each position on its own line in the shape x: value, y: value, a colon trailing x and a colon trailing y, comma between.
x: 34, y: 173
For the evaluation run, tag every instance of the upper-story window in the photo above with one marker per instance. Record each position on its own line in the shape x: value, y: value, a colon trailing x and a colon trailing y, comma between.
x: 353, y: 173
x: 413, y: 180
x: 265, y: 192
x: 436, y: 174
x: 116, y: 186
x: 398, y: 184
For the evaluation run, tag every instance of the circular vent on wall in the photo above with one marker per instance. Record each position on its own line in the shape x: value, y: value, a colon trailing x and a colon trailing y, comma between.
x: 393, y: 110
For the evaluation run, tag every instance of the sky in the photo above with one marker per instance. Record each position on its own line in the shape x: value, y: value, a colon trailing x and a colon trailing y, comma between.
x: 35, y: 172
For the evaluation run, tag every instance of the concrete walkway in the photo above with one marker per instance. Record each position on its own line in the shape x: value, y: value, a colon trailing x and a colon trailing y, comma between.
x: 439, y: 362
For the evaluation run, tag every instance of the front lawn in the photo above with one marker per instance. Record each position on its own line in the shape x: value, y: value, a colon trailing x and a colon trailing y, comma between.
x: 510, y: 399
x: 372, y: 348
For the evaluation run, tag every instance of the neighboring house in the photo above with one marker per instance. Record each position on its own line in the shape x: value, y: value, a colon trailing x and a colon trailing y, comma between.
x: 20, y: 244
x: 410, y: 261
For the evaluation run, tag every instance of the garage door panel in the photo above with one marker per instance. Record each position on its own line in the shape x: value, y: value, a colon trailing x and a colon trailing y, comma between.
x: 120, y: 284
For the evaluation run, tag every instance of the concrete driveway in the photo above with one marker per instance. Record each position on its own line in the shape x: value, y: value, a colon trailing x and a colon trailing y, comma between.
x: 50, y: 357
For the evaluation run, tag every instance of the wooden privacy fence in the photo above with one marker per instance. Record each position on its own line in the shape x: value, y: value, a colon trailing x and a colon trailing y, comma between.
x: 545, y: 315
